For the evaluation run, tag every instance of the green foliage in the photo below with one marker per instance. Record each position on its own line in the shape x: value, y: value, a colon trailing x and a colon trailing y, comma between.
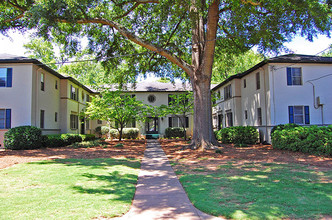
x: 130, y: 133
x: 114, y: 133
x: 98, y: 130
x: 328, y: 53
x: 313, y: 139
x: 231, y: 64
x: 116, y: 107
x: 174, y: 132
x: 238, y: 135
x: 54, y: 141
x: 281, y: 127
x: 118, y: 145
x: 87, y: 137
x: 23, y: 138
x: 104, y: 130
x: 71, y: 138
x: 88, y: 144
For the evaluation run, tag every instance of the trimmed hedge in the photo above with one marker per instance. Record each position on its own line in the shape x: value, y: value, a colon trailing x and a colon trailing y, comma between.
x: 238, y: 135
x: 23, y: 138
x: 127, y: 133
x: 61, y: 140
x: 313, y: 139
x: 174, y: 132
x: 283, y: 126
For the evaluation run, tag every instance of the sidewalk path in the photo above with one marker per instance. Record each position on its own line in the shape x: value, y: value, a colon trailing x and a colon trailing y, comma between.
x: 159, y: 194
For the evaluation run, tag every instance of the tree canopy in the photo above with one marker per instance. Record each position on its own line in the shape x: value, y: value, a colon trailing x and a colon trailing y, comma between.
x: 170, y: 38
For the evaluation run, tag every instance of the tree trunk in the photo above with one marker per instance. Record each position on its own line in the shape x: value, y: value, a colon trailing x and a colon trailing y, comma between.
x: 204, y: 42
x: 203, y: 135
x: 120, y: 133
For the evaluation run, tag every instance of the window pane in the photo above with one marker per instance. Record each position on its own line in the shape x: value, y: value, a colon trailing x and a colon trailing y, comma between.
x: 3, y: 77
x: 2, y: 118
x: 175, y: 122
x: 298, y: 119
x: 298, y: 110
x: 297, y: 81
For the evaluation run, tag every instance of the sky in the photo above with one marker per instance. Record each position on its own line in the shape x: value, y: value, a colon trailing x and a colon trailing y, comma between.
x: 14, y: 45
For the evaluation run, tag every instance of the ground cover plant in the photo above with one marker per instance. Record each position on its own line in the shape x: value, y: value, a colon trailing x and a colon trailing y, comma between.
x: 256, y: 182
x: 69, y: 182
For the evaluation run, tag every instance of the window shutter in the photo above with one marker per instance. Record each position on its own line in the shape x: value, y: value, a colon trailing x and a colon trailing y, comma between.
x: 291, y: 114
x: 9, y: 77
x: 170, y: 122
x: 289, y: 76
x: 307, y: 118
x: 8, y: 118
x: 187, y: 122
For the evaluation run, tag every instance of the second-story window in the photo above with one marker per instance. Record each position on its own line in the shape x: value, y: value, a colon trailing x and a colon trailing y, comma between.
x: 294, y: 76
x: 228, y: 92
x: 244, y: 83
x: 258, y: 81
x: 6, y: 75
x: 73, y: 93
x: 82, y: 96
x: 42, y: 82
x: 56, y: 84
x: 87, y: 98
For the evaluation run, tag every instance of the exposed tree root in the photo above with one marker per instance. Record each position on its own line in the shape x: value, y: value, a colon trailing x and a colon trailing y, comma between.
x: 204, y: 145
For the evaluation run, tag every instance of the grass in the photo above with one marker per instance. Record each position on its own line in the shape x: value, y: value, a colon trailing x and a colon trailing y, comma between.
x: 260, y: 191
x: 68, y: 189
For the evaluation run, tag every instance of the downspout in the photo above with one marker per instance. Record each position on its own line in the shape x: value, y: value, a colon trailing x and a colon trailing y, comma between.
x: 265, y: 105
x: 316, y: 106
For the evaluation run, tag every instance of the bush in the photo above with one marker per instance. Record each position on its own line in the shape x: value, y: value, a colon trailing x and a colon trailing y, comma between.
x: 54, y: 140
x: 283, y: 126
x: 238, y: 135
x: 88, y: 144
x: 71, y: 138
x: 105, y: 130
x: 174, y: 132
x: 98, y: 130
x: 313, y: 139
x: 114, y: 133
x: 87, y: 137
x: 23, y: 137
x: 130, y: 133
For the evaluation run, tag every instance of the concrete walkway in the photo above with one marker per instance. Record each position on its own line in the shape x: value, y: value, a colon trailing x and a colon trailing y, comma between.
x: 159, y: 194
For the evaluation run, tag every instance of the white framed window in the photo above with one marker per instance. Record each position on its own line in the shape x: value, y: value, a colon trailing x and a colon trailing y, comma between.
x: 42, y: 81
x: 228, y: 92
x: 151, y: 98
x: 229, y: 119
x: 245, y: 83
x: 177, y: 122
x: 42, y: 118
x: 294, y: 76
x: 245, y: 114
x: 299, y: 114
x: 73, y: 122
x: 258, y: 81
x: 73, y: 93
x: 5, y: 118
x: 56, y: 84
x: 259, y: 116
x: 6, y: 76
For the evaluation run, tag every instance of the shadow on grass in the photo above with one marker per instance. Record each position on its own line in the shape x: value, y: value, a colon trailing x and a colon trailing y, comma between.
x: 261, y: 191
x: 119, y: 184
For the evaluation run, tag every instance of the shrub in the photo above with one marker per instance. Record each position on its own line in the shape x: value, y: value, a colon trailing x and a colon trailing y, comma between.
x: 105, y: 130
x: 174, y: 132
x: 98, y: 130
x: 283, y: 126
x: 71, y: 138
x: 88, y: 144
x: 87, y: 137
x: 313, y: 139
x: 238, y: 135
x: 130, y: 133
x: 54, y: 140
x: 114, y: 133
x: 118, y: 145
x: 23, y: 137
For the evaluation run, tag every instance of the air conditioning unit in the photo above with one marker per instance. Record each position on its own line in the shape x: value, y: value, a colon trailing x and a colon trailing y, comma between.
x: 319, y: 101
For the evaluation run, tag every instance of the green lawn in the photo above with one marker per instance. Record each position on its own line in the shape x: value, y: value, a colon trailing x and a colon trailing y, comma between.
x: 68, y: 189
x: 260, y: 191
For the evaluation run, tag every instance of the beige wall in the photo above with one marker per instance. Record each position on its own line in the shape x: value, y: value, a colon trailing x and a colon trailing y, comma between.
x: 18, y: 97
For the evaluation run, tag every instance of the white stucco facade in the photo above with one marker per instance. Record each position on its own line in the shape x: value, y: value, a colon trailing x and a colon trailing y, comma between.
x: 275, y: 101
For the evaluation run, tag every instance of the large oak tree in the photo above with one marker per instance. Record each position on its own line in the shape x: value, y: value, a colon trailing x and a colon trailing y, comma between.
x: 170, y: 37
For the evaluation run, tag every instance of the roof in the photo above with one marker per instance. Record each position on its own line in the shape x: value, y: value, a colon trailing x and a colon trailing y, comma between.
x: 288, y: 58
x: 8, y: 58
x: 153, y: 86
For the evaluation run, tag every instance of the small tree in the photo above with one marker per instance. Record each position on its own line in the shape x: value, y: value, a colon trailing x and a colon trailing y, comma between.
x: 116, y: 107
x: 180, y: 106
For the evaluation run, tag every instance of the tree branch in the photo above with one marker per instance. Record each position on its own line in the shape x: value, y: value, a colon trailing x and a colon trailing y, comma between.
x: 130, y: 10
x: 14, y: 19
x: 16, y: 5
x: 132, y: 37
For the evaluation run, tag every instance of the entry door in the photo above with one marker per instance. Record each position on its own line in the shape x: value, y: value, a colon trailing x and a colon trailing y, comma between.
x: 152, y: 125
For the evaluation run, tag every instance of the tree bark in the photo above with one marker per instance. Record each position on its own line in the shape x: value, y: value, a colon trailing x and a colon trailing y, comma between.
x: 202, y: 59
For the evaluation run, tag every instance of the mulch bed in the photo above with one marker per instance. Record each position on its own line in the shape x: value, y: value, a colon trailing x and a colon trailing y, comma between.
x: 131, y: 149
x: 237, y: 155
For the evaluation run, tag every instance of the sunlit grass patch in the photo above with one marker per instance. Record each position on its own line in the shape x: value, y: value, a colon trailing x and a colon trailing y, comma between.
x: 261, y: 191
x: 68, y: 189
